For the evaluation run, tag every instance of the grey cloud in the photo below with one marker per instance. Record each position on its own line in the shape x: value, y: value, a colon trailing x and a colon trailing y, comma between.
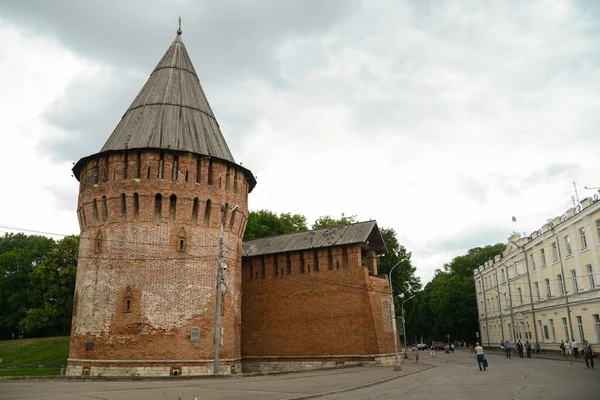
x: 512, y: 185
x: 469, y: 238
x: 474, y: 189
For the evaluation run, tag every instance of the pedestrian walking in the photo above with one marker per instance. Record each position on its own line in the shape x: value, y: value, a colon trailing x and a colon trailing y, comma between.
x: 567, y: 348
x: 528, y: 349
x: 452, y: 348
x: 520, y: 348
x: 537, y: 347
x: 575, y: 348
x: 415, y: 352
x: 588, y: 354
x: 432, y: 352
x: 562, y: 346
x: 481, y: 362
x: 507, y: 348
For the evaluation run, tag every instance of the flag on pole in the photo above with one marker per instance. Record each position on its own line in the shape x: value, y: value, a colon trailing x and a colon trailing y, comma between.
x: 514, y: 219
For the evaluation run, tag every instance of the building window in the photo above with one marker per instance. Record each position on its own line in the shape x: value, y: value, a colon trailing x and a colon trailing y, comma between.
x: 554, y: 252
x: 597, y: 326
x: 125, y: 165
x: 104, y: 210
x: 98, y: 243
x: 301, y: 258
x: 198, y: 165
x: 543, y: 257
x: 520, y: 292
x: 537, y: 291
x: 580, y: 327
x: 227, y: 177
x: 161, y: 165
x: 329, y: 258
x: 316, y: 260
x: 503, y: 276
x: 288, y: 263
x: 232, y: 221
x: 568, y: 246
x: 136, y: 204
x: 546, y: 336
x: 345, y: 257
x: 552, y: 330
x: 548, y: 289
x: 574, y: 279
x: 235, y: 186
x: 175, y: 167
x: 590, y: 273
x: 565, y: 329
x: 275, y: 265
x: 195, y: 208
x: 123, y: 205
x: 207, y: 212
x: 138, y: 165
x: 517, y: 268
x: 181, y: 246
x: 582, y: 239
x: 172, y: 207
x: 127, y: 305
x: 95, y: 210
x: 561, y: 287
x: 158, y: 207
x: 251, y: 270
x: 532, y: 262
x: 210, y: 172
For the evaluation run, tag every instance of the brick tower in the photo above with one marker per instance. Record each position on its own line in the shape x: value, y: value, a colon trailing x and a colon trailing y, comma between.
x: 150, y: 208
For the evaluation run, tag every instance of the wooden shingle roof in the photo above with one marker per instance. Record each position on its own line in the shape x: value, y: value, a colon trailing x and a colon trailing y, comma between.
x: 360, y: 232
x: 171, y: 112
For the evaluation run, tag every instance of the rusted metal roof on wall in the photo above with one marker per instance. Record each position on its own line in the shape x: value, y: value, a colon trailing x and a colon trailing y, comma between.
x: 361, y: 232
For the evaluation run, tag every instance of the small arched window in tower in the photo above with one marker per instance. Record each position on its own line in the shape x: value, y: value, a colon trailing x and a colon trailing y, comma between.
x: 288, y: 263
x: 127, y: 299
x: 172, y: 207
x: 301, y: 258
x: 275, y: 265
x: 210, y: 172
x: 98, y: 242
x: 158, y: 207
x: 316, y: 260
x: 329, y: 259
x: 175, y: 167
x: 227, y: 177
x: 123, y: 205
x: 136, y: 205
x: 263, y: 266
x: 95, y: 172
x: 207, y: 212
x: 95, y: 210
x: 181, y: 240
x: 195, y: 211
x: 345, y: 257
x: 83, y: 217
x: 161, y: 165
x: 148, y: 176
x: 235, y: 185
x: 104, y: 210
x: 186, y: 176
x: 138, y: 165
x: 198, y: 166
x: 105, y: 174
x: 125, y: 164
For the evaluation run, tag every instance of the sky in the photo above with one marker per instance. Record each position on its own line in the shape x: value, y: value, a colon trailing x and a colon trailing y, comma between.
x: 439, y: 119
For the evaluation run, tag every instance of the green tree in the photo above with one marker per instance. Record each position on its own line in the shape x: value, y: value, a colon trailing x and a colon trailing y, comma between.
x: 327, y: 222
x: 19, y: 254
x: 53, y: 280
x: 263, y: 223
x: 404, y: 279
x: 465, y: 265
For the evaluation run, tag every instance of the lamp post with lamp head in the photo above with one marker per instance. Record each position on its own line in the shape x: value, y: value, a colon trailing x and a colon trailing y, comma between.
x: 397, y: 366
x: 401, y: 296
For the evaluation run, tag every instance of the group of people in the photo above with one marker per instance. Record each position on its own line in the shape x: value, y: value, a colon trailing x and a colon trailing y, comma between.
x: 521, y: 348
x: 569, y: 348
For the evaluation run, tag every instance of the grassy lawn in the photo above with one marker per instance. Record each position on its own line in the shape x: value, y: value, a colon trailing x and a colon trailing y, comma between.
x: 30, y: 372
x: 52, y: 350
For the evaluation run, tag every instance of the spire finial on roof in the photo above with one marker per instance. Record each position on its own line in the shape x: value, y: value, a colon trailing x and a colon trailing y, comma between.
x: 179, y: 30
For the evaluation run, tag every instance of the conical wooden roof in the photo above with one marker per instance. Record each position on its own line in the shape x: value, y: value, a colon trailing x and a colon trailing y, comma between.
x: 171, y: 112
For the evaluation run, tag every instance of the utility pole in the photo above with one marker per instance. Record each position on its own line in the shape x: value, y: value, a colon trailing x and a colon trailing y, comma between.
x: 220, y: 279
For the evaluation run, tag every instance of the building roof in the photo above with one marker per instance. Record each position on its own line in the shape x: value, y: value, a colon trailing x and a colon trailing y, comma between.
x: 360, y: 232
x: 171, y: 112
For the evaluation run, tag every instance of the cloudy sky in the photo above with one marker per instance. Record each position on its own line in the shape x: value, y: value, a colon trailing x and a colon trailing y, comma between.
x: 440, y: 119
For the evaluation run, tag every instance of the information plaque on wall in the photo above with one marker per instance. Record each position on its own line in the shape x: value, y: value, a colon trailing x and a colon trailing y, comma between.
x: 195, y: 335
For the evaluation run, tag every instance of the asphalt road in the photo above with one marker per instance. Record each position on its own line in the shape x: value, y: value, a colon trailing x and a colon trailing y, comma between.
x: 455, y: 376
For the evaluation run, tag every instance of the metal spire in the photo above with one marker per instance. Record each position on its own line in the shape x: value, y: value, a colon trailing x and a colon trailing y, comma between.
x: 179, y: 30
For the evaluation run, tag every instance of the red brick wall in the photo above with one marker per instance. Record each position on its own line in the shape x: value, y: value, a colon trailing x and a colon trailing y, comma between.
x: 170, y: 290
x: 335, y: 311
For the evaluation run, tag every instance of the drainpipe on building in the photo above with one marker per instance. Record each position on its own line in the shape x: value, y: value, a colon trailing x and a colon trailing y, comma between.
x: 499, y: 303
x: 513, y: 335
x: 564, y: 286
x: 484, y: 311
x: 530, y: 291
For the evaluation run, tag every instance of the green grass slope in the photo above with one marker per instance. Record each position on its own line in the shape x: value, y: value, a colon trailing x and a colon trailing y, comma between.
x: 52, y: 350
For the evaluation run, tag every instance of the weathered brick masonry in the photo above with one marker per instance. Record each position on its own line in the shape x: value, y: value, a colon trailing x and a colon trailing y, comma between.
x: 150, y: 208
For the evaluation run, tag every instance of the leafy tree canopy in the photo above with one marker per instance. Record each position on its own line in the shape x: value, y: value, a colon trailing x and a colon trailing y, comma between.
x: 465, y: 265
x: 264, y: 223
x: 327, y: 222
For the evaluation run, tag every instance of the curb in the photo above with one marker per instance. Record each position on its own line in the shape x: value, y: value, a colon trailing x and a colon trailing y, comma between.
x: 362, y: 386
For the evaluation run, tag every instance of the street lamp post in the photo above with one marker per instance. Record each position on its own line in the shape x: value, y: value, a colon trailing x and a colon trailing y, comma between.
x: 401, y: 295
x: 397, y: 366
x: 220, y: 279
